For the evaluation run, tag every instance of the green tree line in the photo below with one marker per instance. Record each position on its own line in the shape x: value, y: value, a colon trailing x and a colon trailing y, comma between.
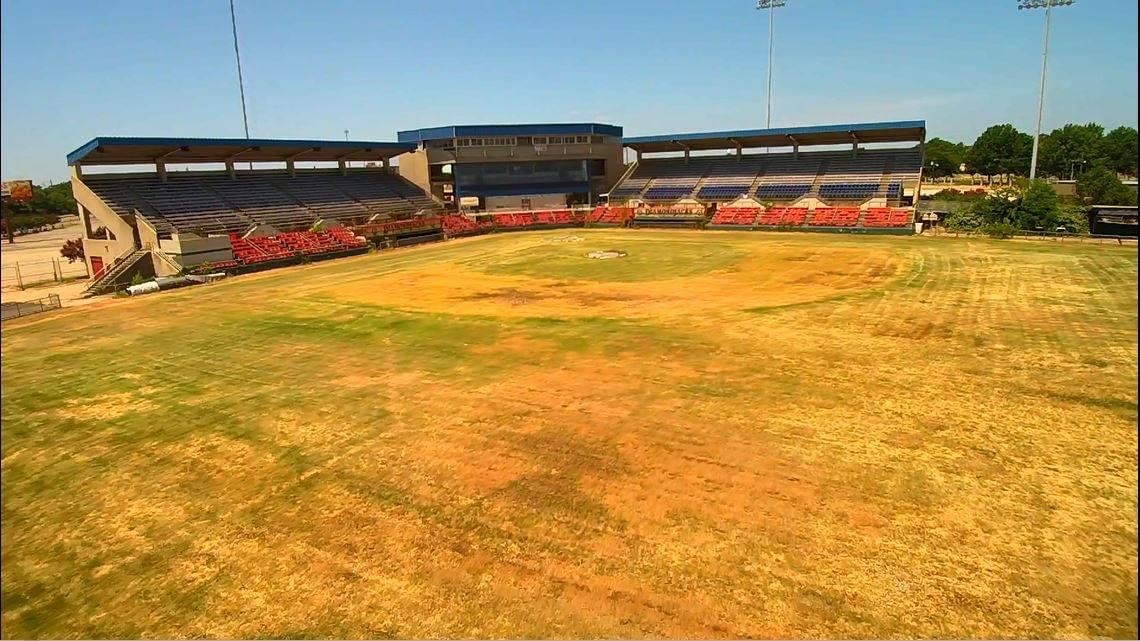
x: 43, y: 210
x: 1065, y: 152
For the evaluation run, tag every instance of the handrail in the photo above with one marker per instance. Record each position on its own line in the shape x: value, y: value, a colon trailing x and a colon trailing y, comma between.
x: 628, y: 171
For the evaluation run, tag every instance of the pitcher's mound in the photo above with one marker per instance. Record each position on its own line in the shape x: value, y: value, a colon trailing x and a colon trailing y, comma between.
x: 606, y: 254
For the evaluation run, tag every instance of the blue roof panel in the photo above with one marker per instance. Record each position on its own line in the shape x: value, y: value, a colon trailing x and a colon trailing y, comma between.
x: 902, y: 127
x: 109, y: 144
x: 460, y: 131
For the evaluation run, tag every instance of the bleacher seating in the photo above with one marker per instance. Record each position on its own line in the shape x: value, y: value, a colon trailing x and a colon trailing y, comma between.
x: 629, y: 188
x: 835, y: 217
x: 780, y: 177
x: 783, y: 216
x: 735, y: 216
x: 848, y: 191
x: 607, y: 215
x: 457, y: 224
x: 887, y: 217
x: 262, y: 249
x: 180, y: 203
x: 782, y: 191
x: 215, y: 203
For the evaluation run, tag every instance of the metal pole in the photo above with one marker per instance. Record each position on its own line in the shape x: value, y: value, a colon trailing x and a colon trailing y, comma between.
x: 1041, y: 94
x: 771, y: 35
x: 241, y: 82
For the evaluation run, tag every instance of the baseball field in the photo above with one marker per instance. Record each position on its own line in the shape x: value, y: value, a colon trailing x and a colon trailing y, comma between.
x: 718, y: 434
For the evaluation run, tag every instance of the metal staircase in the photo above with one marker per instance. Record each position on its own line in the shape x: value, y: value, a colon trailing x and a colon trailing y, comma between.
x: 107, y: 279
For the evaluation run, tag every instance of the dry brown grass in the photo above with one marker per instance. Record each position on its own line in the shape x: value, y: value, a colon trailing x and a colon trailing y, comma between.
x: 815, y: 436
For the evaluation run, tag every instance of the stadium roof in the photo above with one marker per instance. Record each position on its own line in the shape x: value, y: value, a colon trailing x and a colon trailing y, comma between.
x: 460, y: 131
x: 141, y: 151
x: 902, y: 131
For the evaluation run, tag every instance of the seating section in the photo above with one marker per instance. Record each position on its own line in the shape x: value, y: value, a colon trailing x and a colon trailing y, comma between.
x: 262, y: 249
x: 215, y: 203
x: 783, y: 216
x: 735, y: 216
x: 852, y: 178
x: 887, y: 217
x: 629, y: 188
x: 457, y: 224
x: 778, y: 177
x: 404, y: 227
x: 848, y: 191
x: 606, y: 215
x: 835, y: 217
x: 782, y: 191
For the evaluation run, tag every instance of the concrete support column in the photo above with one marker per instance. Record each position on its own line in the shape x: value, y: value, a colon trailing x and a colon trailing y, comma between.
x: 384, y: 162
x: 291, y: 167
x: 160, y: 168
x: 230, y: 169
x: 638, y: 155
x: 343, y: 167
x: 85, y: 220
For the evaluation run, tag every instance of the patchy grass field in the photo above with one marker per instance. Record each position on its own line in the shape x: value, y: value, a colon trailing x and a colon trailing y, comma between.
x: 720, y: 435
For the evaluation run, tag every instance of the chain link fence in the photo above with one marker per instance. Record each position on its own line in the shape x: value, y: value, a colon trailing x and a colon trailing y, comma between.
x: 24, y: 273
x: 29, y: 307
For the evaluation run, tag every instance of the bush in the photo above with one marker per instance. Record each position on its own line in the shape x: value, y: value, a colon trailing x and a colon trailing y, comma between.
x: 1038, y: 207
x: 1073, y: 218
x: 72, y: 250
x: 138, y: 279
x: 964, y: 219
x: 954, y: 195
x: 999, y: 230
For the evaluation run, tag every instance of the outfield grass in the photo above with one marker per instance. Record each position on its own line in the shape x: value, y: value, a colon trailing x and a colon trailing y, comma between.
x: 720, y: 435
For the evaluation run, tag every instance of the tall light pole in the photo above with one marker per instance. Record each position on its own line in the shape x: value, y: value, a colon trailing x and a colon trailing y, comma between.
x: 771, y: 6
x: 1047, y: 5
x: 241, y: 83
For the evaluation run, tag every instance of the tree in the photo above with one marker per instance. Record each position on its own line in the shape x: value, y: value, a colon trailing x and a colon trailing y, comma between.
x: 43, y: 210
x: 1001, y: 149
x: 1066, y: 150
x: 1100, y: 186
x: 1008, y: 209
x: 72, y: 250
x: 942, y: 157
x: 1118, y: 147
x: 1038, y: 207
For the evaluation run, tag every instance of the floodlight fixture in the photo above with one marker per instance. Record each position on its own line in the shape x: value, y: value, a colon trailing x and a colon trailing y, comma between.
x: 771, y: 6
x: 1047, y: 5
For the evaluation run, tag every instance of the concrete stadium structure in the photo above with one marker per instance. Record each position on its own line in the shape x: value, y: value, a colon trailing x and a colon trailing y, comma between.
x: 245, y: 204
x: 532, y: 166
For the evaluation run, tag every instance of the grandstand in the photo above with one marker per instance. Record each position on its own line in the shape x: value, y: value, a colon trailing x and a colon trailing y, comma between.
x: 508, y: 167
x: 182, y: 219
x: 825, y: 188
x: 234, y: 215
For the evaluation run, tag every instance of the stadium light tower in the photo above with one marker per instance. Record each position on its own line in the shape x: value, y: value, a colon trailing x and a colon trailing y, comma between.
x: 241, y: 83
x: 771, y: 6
x: 1047, y: 5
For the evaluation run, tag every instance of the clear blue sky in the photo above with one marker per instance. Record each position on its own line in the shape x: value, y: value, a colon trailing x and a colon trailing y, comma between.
x: 72, y: 70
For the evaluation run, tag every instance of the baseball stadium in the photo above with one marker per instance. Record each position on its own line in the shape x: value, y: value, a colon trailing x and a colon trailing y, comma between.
x: 549, y: 380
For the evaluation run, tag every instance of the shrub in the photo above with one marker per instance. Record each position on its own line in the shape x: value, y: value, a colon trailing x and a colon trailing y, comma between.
x: 999, y: 230
x: 72, y: 250
x: 138, y: 279
x: 1074, y: 218
x: 964, y: 219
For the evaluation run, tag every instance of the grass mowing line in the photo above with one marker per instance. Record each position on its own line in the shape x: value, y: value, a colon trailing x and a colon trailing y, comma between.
x: 298, y: 462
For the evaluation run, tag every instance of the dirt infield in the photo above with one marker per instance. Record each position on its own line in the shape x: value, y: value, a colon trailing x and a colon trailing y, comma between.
x: 716, y: 435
